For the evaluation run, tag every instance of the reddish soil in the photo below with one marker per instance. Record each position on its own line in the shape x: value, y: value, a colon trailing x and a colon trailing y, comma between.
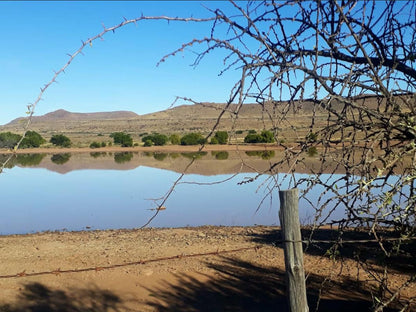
x: 171, y: 270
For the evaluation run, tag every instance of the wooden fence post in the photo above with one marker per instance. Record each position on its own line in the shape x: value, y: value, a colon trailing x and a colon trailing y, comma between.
x: 295, y: 274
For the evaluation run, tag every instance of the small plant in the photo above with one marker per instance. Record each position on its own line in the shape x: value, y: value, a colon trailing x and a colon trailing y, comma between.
x: 95, y: 145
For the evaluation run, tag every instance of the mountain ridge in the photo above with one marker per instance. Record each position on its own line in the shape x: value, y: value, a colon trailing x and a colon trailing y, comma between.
x: 62, y: 114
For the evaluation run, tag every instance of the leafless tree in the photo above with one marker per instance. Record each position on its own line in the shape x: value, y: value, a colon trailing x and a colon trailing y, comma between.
x: 336, y: 78
x: 348, y: 70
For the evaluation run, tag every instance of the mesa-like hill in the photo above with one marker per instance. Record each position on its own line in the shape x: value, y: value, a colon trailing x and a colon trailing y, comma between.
x: 84, y: 127
x: 62, y: 114
x: 179, y: 119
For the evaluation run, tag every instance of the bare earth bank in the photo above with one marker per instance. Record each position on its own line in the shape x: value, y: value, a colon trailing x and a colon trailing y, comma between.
x: 183, y: 269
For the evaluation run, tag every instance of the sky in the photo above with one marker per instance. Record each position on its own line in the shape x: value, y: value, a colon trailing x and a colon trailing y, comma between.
x: 117, y: 73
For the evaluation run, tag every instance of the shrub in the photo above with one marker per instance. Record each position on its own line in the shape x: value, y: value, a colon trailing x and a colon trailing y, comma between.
x: 148, y: 143
x: 124, y: 139
x: 32, y: 139
x: 221, y: 136
x: 103, y: 144
x: 312, y: 137
x: 252, y: 138
x: 265, y: 137
x: 60, y: 140
x: 156, y: 138
x: 175, y: 139
x: 9, y: 140
x: 95, y: 145
x: 214, y: 140
x: 193, y: 139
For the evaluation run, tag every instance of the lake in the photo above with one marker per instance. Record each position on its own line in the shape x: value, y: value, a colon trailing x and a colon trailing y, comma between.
x: 89, y: 191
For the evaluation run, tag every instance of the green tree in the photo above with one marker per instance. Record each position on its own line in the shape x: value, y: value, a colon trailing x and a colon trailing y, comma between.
x: 193, y: 139
x: 9, y: 140
x: 32, y: 139
x: 253, y: 138
x: 60, y: 140
x: 157, y: 139
x: 265, y: 136
x: 221, y: 136
x: 122, y: 138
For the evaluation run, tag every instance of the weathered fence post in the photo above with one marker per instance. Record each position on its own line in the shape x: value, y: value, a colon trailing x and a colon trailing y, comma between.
x: 295, y: 275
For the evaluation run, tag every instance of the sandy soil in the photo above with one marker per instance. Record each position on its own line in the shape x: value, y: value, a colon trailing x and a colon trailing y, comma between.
x: 169, y: 270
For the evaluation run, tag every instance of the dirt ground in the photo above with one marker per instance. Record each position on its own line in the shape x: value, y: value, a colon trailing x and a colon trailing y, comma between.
x: 183, y: 269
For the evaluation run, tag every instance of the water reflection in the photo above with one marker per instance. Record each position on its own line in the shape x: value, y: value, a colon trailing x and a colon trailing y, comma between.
x: 60, y: 159
x: 98, y: 154
x: 160, y: 156
x: 107, y: 190
x: 266, y: 155
x: 123, y: 157
x: 222, y: 155
x: 194, y: 155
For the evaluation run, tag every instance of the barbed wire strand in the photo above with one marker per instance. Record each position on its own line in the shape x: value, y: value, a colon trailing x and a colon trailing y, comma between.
x: 185, y: 256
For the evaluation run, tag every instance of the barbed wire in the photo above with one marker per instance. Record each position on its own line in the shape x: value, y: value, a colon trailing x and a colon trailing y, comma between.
x: 211, y: 253
x: 140, y: 262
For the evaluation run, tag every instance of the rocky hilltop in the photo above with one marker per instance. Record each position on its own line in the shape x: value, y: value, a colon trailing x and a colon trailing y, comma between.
x: 179, y: 119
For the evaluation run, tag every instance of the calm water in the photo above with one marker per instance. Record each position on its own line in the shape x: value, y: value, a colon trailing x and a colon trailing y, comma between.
x: 112, y: 191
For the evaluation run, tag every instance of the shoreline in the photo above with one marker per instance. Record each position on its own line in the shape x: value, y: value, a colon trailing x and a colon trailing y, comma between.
x: 164, y: 148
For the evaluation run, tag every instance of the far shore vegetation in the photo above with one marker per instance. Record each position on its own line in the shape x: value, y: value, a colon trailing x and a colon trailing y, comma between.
x: 32, y: 139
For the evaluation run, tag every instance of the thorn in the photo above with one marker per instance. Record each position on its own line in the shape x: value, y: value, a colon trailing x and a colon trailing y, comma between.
x: 21, y: 274
x: 99, y: 269
x: 57, y: 271
x: 125, y: 18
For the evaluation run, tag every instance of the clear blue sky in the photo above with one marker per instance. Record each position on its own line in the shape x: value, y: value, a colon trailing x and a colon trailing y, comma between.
x: 118, y: 73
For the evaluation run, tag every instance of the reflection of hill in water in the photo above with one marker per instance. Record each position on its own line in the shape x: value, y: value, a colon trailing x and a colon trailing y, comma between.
x: 206, y: 163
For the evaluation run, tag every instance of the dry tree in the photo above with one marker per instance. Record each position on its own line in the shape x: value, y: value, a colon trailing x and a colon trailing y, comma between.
x: 336, y: 79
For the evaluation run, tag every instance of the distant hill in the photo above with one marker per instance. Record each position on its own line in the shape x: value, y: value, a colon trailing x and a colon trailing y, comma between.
x: 178, y: 119
x: 61, y: 114
x: 85, y: 127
